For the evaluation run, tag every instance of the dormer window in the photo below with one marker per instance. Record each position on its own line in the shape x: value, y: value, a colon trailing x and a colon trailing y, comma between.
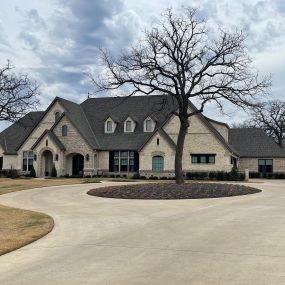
x: 129, y: 125
x: 148, y: 125
x: 110, y: 126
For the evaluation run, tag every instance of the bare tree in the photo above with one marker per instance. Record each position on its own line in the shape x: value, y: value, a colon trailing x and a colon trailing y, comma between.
x: 271, y: 118
x: 178, y: 57
x: 18, y: 94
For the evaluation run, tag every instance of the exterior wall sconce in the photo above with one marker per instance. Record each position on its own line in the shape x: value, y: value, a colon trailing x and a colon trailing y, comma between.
x: 35, y: 157
x: 56, y: 157
x: 87, y: 157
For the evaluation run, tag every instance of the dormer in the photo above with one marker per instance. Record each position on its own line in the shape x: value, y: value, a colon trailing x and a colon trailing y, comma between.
x: 110, y: 126
x: 129, y: 125
x: 148, y: 125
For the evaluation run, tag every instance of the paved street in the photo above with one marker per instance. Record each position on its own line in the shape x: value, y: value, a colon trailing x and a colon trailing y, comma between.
x: 238, y: 240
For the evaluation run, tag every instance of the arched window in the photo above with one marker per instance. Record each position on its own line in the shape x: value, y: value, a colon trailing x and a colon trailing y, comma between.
x: 64, y: 130
x: 56, y: 116
x: 157, y: 163
x: 109, y: 126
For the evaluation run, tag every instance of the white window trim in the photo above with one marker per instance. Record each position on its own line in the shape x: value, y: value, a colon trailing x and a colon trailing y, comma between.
x: 144, y: 125
x: 133, y: 125
x: 113, y: 126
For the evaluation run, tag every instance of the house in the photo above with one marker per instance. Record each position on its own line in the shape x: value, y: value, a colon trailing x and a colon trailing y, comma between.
x: 130, y: 135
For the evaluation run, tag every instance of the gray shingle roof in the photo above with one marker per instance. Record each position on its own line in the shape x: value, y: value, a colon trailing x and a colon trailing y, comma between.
x: 12, y: 137
x: 253, y: 142
x: 97, y: 110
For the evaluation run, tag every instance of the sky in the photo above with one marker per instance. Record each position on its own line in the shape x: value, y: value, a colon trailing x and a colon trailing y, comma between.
x: 56, y: 42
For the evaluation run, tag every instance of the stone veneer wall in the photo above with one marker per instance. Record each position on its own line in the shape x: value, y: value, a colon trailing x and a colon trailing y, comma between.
x: 252, y: 164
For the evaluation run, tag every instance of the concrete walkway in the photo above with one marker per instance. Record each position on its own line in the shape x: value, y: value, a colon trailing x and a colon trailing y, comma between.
x: 238, y: 240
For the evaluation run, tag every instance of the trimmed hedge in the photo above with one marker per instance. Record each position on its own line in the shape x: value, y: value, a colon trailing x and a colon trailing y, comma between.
x: 234, y: 175
x: 275, y: 175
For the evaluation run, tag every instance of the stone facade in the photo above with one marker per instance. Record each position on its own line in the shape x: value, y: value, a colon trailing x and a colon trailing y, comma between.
x: 252, y: 164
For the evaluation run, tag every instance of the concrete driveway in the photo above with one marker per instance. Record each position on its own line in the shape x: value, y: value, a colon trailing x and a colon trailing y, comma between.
x: 239, y: 240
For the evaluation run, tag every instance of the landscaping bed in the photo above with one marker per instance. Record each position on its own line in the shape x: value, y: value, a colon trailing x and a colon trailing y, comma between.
x: 171, y: 191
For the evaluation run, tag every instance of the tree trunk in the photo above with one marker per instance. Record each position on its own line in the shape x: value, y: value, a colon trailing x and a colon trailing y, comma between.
x: 179, y: 151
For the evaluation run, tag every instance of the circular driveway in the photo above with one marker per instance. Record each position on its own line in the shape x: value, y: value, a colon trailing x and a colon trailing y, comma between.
x: 237, y: 240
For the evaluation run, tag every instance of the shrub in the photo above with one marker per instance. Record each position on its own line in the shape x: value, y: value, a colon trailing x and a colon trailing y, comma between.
x: 153, y: 177
x: 163, y: 178
x: 136, y: 176
x: 241, y: 176
x: 53, y: 172
x: 142, y: 177
x: 233, y: 175
x: 87, y: 176
x: 253, y: 174
x: 12, y: 173
x: 212, y: 175
x: 220, y: 175
x: 279, y: 175
x: 32, y: 172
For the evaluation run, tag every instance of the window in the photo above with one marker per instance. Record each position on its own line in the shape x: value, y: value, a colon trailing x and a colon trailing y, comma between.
x: 157, y: 163
x: 64, y: 130
x: 203, y: 158
x: 56, y: 116
x: 28, y: 158
x: 109, y: 126
x: 129, y: 127
x: 148, y: 125
x: 124, y: 161
x: 265, y: 165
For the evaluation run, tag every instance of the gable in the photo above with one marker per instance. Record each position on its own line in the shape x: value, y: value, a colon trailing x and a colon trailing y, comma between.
x: 48, y: 139
x: 45, y: 123
x: 74, y: 141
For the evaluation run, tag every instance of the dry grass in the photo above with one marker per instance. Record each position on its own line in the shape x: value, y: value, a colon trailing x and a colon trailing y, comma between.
x: 8, y: 185
x: 20, y: 227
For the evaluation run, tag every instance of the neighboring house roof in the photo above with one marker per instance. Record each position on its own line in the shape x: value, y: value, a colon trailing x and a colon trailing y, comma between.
x: 53, y: 137
x: 12, y: 137
x: 253, y: 142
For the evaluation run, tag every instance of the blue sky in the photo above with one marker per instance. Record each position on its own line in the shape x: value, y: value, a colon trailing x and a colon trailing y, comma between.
x: 56, y: 41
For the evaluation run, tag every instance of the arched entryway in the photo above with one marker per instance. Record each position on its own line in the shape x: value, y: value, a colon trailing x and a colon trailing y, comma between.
x: 75, y: 164
x: 47, y: 162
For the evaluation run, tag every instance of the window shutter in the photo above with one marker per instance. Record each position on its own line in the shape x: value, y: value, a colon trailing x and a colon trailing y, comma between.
x: 137, y: 161
x: 111, y: 161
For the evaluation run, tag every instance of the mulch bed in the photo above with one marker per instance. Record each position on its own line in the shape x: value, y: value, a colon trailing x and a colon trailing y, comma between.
x: 171, y: 191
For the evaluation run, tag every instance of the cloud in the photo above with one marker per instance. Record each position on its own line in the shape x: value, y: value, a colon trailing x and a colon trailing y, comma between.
x: 67, y: 42
x: 57, y: 42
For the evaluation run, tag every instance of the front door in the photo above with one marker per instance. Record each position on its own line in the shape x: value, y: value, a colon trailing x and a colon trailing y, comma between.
x: 77, y: 164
